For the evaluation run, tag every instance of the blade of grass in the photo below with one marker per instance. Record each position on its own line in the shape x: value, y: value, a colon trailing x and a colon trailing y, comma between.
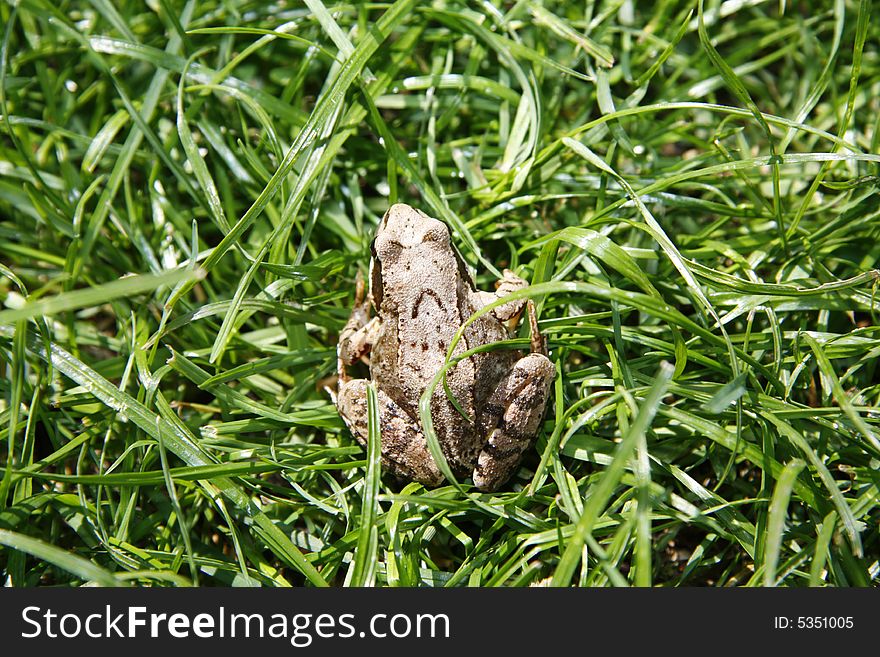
x: 63, y: 559
x: 179, y: 442
x: 364, y: 562
x: 776, y: 522
x: 127, y: 286
x: 602, y: 491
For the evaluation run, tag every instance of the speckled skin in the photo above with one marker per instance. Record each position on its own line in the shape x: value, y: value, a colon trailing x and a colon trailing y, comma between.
x: 422, y: 294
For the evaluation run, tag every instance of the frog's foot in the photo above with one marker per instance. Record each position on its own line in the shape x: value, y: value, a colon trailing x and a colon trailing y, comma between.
x: 356, y: 338
x: 404, y: 447
x: 355, y: 341
x: 521, y: 398
x: 509, y: 283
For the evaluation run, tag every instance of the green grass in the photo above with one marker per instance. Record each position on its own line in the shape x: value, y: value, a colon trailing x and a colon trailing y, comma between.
x: 187, y: 193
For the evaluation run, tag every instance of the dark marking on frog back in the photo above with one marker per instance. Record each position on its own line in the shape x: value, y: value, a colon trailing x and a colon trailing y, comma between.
x: 422, y: 295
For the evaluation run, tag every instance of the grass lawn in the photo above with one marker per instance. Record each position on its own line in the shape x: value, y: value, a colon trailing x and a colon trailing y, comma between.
x: 188, y: 191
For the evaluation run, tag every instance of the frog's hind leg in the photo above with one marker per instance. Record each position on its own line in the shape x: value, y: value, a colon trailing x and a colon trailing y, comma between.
x: 404, y: 447
x: 520, y: 399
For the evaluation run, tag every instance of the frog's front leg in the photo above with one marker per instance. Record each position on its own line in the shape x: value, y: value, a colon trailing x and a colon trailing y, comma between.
x: 510, y: 282
x: 404, y: 446
x: 518, y: 405
x: 357, y: 337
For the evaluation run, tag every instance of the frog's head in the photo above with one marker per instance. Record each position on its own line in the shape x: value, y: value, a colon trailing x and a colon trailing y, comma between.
x: 405, y: 228
x: 409, y: 246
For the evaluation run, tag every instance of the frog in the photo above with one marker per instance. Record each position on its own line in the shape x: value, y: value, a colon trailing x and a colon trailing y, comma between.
x: 422, y: 293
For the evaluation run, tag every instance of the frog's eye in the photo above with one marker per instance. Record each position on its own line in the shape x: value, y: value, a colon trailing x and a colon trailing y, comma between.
x: 386, y: 249
x: 436, y: 233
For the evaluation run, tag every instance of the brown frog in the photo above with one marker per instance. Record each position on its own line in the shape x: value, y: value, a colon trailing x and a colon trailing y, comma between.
x: 422, y: 293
